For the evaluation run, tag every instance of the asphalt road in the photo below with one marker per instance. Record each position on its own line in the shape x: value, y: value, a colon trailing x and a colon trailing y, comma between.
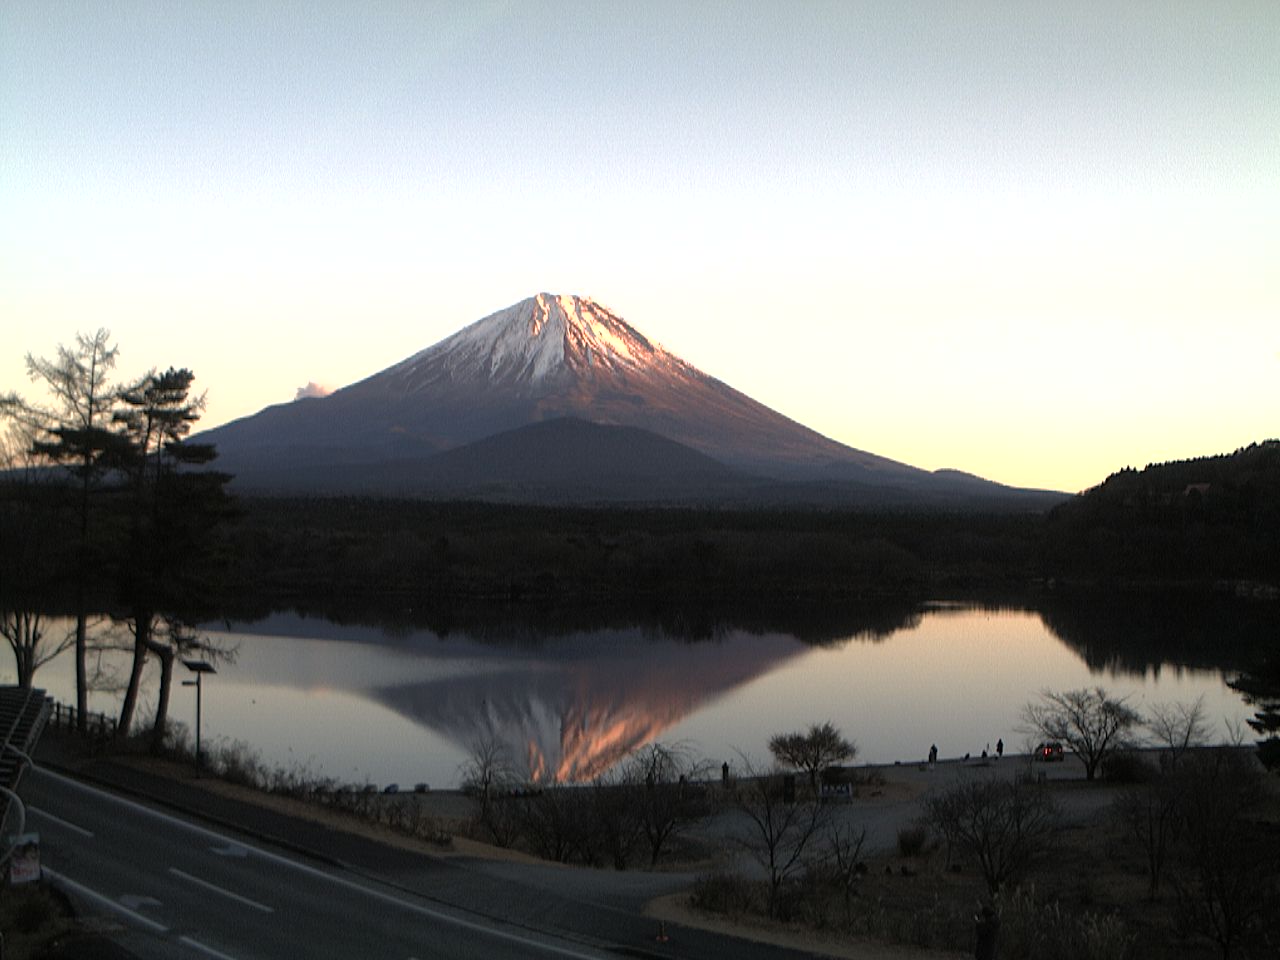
x: 184, y: 890
x: 174, y: 886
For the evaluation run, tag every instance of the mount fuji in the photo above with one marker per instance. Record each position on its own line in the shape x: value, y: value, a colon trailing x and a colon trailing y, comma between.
x: 557, y: 399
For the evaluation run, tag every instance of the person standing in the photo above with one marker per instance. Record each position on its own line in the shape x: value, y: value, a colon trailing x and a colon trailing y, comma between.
x: 999, y: 748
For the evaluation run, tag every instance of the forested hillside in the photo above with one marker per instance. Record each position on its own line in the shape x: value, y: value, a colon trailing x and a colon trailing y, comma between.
x: 369, y: 548
x: 1214, y: 518
x: 1193, y: 524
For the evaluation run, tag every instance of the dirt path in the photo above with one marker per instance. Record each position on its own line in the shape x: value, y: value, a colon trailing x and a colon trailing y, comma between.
x: 674, y: 908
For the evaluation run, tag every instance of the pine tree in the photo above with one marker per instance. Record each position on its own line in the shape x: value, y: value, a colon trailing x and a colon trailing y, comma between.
x: 1261, y: 688
x: 173, y: 511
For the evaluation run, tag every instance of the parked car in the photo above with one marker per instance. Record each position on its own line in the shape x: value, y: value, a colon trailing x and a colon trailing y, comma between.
x: 1049, y: 752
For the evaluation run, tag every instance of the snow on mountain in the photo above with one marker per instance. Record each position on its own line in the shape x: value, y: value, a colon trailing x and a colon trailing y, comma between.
x: 539, y: 343
x: 538, y: 338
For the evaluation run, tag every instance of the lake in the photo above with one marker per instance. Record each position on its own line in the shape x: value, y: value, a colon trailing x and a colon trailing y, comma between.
x: 367, y: 704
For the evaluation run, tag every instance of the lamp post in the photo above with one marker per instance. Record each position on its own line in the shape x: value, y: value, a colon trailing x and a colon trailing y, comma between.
x: 199, y: 668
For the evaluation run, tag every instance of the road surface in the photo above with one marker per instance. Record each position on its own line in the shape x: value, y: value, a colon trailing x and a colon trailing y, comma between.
x: 183, y: 889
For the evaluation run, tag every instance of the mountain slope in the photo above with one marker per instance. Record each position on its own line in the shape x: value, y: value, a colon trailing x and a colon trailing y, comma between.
x: 543, y: 359
x: 558, y: 461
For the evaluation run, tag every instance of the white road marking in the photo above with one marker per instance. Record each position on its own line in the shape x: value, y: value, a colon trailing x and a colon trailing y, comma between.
x: 136, y: 901
x: 417, y: 908
x: 205, y: 949
x: 214, y: 888
x: 65, y: 824
x: 104, y: 901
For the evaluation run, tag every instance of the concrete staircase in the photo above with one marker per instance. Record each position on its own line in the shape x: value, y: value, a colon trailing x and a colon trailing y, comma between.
x: 23, y: 714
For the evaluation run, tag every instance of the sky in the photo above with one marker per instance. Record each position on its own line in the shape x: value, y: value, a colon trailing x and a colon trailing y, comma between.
x: 1037, y: 241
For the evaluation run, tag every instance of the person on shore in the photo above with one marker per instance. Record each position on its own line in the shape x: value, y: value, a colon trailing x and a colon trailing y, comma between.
x: 933, y: 755
x: 999, y: 748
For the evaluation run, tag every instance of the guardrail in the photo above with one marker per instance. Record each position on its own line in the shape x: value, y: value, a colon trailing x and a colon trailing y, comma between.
x: 98, y: 726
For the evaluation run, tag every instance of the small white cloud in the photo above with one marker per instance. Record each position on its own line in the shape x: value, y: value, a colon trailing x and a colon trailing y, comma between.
x: 313, y: 389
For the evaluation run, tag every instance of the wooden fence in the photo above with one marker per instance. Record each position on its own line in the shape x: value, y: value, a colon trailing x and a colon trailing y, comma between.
x: 99, y: 726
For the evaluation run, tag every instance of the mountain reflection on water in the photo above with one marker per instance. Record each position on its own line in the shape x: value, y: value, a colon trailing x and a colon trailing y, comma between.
x: 571, y: 719
x: 568, y: 704
x: 572, y: 692
x: 570, y: 695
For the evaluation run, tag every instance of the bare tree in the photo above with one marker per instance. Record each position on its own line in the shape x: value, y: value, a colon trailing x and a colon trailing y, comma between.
x: 488, y: 770
x: 1178, y: 727
x: 813, y: 750
x: 24, y: 629
x: 170, y: 639
x: 1227, y: 865
x: 1149, y: 812
x: 782, y: 828
x: 552, y: 822
x: 29, y: 530
x: 660, y: 780
x: 1006, y: 825
x: 845, y: 844
x: 1090, y: 722
x: 615, y: 812
x: 75, y: 433
x: 492, y: 776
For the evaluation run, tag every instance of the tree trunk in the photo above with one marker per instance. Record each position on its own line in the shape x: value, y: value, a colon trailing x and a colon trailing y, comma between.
x: 141, y: 644
x: 22, y: 661
x: 82, y: 682
x: 82, y: 586
x: 166, y: 654
x: 18, y: 629
x: 25, y: 654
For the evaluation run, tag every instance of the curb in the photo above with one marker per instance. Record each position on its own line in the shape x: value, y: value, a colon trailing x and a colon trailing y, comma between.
x: 258, y: 835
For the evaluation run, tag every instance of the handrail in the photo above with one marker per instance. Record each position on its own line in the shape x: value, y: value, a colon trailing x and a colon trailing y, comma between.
x: 22, y: 712
x: 13, y: 798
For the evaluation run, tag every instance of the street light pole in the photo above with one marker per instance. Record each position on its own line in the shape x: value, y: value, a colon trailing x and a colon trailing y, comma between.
x: 199, y: 668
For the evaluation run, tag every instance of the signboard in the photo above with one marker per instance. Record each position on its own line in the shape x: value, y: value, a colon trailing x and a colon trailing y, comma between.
x: 24, y: 864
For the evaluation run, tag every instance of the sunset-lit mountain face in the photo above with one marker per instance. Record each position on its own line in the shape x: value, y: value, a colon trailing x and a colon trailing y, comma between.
x: 539, y: 361
x: 549, y: 357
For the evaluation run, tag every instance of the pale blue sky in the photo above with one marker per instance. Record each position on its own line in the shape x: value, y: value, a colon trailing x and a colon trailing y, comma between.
x: 1035, y: 241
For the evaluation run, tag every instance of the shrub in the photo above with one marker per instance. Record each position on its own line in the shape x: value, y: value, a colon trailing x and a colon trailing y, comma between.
x: 236, y: 762
x: 727, y: 894
x: 1128, y: 767
x: 912, y: 840
x: 1005, y: 826
x: 34, y: 912
x: 804, y: 900
x: 1038, y: 931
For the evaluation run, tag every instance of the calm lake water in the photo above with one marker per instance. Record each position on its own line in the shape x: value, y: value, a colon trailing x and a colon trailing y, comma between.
x: 361, y: 704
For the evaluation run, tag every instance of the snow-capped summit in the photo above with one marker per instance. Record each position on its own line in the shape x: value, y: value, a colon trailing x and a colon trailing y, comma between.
x: 545, y: 336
